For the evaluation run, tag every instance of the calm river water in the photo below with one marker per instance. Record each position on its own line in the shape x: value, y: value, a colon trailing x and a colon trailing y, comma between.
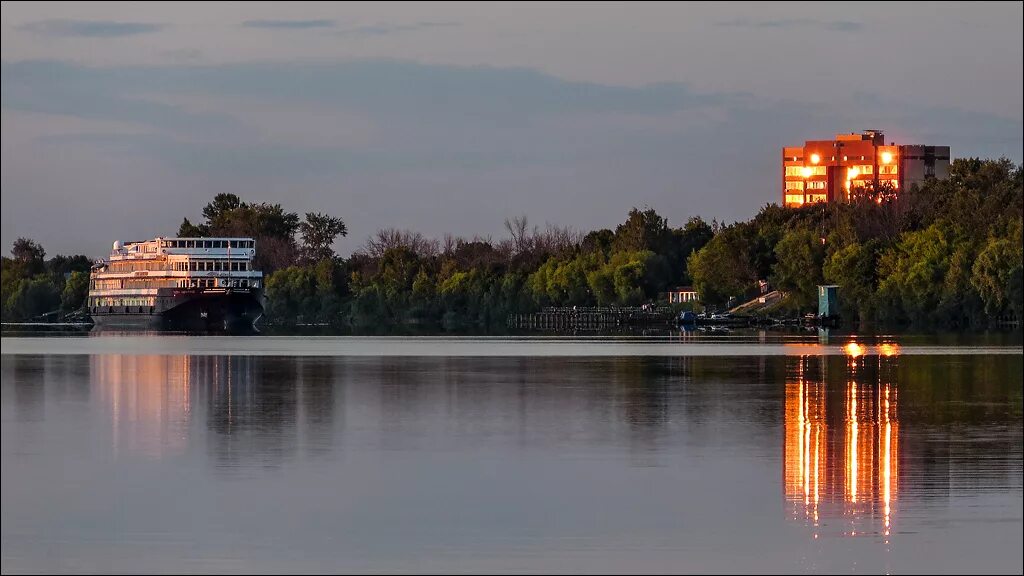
x: 278, y: 454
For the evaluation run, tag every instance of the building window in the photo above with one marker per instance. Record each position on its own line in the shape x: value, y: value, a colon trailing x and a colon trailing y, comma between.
x: 816, y: 185
x: 794, y: 199
x: 888, y: 169
x: 866, y: 169
x: 794, y: 185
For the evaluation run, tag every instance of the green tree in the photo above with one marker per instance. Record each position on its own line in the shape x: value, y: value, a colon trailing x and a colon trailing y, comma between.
x: 855, y: 269
x: 913, y: 273
x: 799, y: 257
x: 30, y: 254
x: 32, y: 298
x: 693, y: 236
x: 318, y: 233
x: 190, y: 230
x: 997, y: 274
x: 646, y: 230
x: 75, y: 291
x: 218, y: 212
x: 724, y: 267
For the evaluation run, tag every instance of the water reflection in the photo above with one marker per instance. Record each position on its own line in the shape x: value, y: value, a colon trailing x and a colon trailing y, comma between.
x: 842, y: 444
x: 293, y: 463
x: 244, y: 408
x: 150, y: 401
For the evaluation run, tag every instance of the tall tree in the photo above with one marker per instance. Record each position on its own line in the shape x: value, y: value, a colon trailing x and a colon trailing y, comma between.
x: 217, y: 211
x: 29, y: 253
x: 645, y: 230
x: 190, y: 230
x: 797, y: 271
x: 318, y: 233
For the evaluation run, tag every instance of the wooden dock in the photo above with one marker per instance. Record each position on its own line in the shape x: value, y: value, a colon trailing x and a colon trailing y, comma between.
x: 590, y: 318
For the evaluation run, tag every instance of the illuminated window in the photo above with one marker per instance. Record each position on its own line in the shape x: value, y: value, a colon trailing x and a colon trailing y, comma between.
x: 818, y: 170
x: 817, y: 198
x: 794, y: 170
x: 794, y: 185
x: 866, y: 168
x: 890, y: 169
x: 816, y: 185
x: 794, y: 199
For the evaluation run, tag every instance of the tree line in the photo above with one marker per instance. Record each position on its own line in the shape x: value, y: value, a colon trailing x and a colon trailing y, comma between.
x: 34, y: 288
x: 947, y: 252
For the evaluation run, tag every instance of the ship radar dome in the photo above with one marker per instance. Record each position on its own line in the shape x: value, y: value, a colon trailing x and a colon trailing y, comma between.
x: 117, y: 245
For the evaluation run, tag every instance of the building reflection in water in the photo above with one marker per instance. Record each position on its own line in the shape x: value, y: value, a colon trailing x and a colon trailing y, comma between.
x: 842, y: 448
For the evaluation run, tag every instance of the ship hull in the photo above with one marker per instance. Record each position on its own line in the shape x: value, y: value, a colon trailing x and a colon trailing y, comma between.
x: 186, y: 310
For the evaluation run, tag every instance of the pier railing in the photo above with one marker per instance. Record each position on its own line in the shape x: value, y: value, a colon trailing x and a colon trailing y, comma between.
x: 591, y: 318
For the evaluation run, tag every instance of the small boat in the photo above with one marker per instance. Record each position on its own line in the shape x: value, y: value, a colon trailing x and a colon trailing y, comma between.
x: 687, y: 317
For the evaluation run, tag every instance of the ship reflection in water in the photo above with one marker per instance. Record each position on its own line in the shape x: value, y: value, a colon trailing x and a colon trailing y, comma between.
x: 842, y: 446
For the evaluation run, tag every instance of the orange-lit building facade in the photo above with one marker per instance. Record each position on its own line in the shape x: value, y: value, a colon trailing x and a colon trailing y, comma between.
x: 827, y: 170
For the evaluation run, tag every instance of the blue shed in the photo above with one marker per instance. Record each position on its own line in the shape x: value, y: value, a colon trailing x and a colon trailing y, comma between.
x: 828, y: 301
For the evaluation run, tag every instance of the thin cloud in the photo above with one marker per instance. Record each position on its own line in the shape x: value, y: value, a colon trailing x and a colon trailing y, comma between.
x: 288, y: 24
x: 385, y: 29
x: 90, y: 28
x: 830, y: 25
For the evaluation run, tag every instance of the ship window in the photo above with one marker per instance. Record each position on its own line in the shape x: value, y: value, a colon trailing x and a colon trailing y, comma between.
x: 234, y: 266
x: 243, y: 266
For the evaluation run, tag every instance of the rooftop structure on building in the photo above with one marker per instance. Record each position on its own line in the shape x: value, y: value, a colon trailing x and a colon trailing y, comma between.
x: 836, y: 170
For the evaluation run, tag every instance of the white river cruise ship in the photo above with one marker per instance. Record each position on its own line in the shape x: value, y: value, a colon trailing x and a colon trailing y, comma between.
x: 202, y: 283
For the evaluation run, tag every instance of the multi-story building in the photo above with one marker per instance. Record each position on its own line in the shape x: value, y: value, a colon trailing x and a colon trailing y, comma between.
x: 828, y: 170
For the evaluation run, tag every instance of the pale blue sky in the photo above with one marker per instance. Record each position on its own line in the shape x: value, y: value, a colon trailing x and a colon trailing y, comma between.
x: 120, y: 119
